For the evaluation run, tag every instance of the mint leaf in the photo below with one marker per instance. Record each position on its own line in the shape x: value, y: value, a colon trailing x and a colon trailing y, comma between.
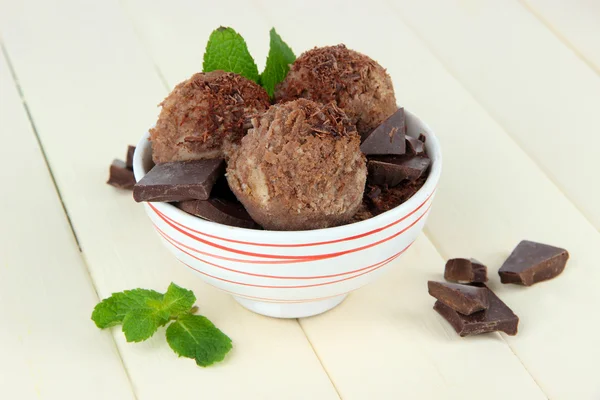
x: 140, y: 324
x: 178, y: 300
x: 227, y: 50
x: 142, y: 312
x: 194, y: 336
x: 111, y: 311
x: 278, y: 63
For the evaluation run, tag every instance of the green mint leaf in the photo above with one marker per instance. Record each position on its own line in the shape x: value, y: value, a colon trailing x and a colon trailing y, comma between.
x: 178, y: 300
x: 140, y: 324
x: 112, y: 310
x: 278, y: 63
x: 194, y: 336
x: 227, y: 50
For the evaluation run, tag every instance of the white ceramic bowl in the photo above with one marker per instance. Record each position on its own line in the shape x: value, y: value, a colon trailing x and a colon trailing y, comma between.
x: 291, y: 274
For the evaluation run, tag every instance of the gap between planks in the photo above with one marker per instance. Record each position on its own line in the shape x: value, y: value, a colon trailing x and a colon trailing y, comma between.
x: 427, y: 46
x: 558, y: 35
x: 319, y: 358
x: 15, y: 80
x: 143, y: 44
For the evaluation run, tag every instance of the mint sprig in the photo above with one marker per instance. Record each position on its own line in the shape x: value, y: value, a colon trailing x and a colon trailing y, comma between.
x: 141, y: 312
x: 227, y: 50
x: 278, y: 63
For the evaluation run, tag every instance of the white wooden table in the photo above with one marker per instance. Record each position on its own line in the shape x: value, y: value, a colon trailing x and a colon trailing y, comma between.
x: 511, y: 87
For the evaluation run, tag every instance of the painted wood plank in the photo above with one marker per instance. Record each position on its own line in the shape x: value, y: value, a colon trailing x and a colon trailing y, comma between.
x: 529, y: 81
x: 92, y: 90
x: 491, y: 196
x: 49, y: 347
x: 176, y: 41
x: 575, y: 22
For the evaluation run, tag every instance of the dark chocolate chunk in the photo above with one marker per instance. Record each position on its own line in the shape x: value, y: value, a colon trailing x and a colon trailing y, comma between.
x: 120, y: 176
x: 220, y: 211
x: 178, y: 181
x: 532, y: 262
x: 129, y: 159
x: 465, y: 299
x: 222, y: 190
x: 393, y: 197
x: 373, y: 192
x: 414, y: 146
x: 498, y: 317
x: 462, y: 270
x: 391, y: 170
x: 388, y: 138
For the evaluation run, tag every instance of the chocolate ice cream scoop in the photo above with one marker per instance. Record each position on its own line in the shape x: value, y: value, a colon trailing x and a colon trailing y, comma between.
x: 203, y: 114
x: 300, y: 167
x: 356, y: 83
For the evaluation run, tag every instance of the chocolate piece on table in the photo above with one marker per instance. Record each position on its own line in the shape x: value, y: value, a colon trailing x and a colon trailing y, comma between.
x: 462, y: 270
x: 129, y: 159
x: 391, y: 170
x: 220, y: 211
x: 532, y: 262
x: 120, y: 176
x: 388, y: 138
x: 497, y: 317
x: 178, y: 181
x: 465, y: 299
x: 414, y: 146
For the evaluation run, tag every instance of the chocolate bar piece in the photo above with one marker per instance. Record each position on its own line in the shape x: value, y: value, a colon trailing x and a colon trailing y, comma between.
x: 391, y: 170
x: 388, y: 138
x: 497, y: 317
x: 532, y: 262
x: 465, y: 299
x: 220, y: 211
x: 120, y: 176
x: 129, y: 159
x: 178, y: 181
x: 462, y: 270
x: 414, y: 146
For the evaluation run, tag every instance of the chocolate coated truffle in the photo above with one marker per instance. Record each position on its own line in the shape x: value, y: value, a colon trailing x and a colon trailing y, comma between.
x: 359, y: 86
x: 300, y: 167
x: 203, y: 114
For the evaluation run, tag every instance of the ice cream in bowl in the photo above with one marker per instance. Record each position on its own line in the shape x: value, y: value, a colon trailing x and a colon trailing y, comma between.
x: 289, y: 202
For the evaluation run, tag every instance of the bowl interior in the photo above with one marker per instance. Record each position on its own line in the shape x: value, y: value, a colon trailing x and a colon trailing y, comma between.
x: 142, y: 163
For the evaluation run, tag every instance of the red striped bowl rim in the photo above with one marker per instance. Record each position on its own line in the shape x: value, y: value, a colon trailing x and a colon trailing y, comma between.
x: 292, y: 259
x: 154, y: 208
